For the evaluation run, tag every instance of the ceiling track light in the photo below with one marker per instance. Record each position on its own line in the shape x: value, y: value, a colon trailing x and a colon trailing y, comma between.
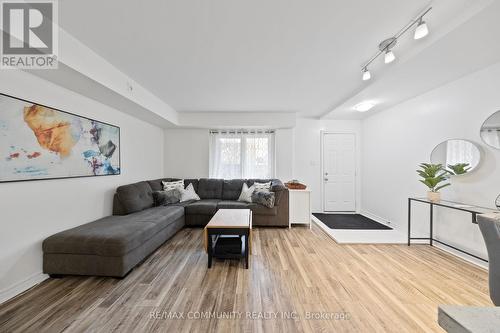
x: 386, y: 46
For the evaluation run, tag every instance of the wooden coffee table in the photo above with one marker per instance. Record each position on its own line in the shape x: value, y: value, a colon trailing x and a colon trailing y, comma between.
x: 231, y: 222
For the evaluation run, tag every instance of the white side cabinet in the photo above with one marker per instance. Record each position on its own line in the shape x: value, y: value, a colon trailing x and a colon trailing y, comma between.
x: 300, y: 207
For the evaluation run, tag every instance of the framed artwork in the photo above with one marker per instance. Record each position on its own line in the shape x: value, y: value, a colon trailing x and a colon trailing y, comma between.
x: 39, y: 142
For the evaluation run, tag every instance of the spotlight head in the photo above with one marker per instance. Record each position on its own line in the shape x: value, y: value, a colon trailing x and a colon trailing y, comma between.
x: 386, y: 46
x: 421, y: 31
x: 389, y: 56
x: 366, y: 74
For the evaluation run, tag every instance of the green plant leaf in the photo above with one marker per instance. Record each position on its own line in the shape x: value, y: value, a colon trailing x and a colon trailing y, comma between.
x: 441, y: 187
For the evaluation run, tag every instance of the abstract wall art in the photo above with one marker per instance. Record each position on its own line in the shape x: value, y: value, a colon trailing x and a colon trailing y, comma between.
x: 38, y: 142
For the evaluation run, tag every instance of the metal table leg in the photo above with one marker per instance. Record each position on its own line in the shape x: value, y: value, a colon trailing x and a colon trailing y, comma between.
x: 409, y: 221
x: 431, y: 223
x: 209, y: 250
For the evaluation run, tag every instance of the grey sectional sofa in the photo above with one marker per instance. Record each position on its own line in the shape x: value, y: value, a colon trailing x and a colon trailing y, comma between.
x: 214, y: 194
x: 113, y: 245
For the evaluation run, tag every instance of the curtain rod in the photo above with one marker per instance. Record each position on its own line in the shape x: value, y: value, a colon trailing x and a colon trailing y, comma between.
x: 241, y: 131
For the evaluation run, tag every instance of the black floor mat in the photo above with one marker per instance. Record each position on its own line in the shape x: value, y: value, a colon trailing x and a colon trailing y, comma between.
x: 350, y: 221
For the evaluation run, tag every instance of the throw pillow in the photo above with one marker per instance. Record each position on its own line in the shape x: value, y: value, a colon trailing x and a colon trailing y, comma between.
x: 189, y: 194
x: 175, y: 184
x: 264, y: 198
x: 162, y: 198
x: 262, y: 187
x: 246, y: 193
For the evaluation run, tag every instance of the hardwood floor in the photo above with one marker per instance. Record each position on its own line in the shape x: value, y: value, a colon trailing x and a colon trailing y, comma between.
x: 376, y: 288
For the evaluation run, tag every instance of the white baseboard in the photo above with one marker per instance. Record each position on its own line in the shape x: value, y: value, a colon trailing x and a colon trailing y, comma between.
x: 21, y: 286
x: 376, y: 218
x: 322, y: 226
x: 462, y: 256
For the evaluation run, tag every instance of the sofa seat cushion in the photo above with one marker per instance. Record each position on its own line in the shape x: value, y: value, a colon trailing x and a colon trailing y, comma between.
x: 202, y: 207
x: 113, y: 236
x: 230, y: 204
x: 135, y: 197
x: 258, y: 209
x: 162, y: 216
x: 182, y: 204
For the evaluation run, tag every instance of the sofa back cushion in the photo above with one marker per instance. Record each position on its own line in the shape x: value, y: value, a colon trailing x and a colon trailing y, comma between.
x: 210, y: 188
x: 231, y: 189
x: 156, y: 184
x: 191, y: 181
x: 135, y: 197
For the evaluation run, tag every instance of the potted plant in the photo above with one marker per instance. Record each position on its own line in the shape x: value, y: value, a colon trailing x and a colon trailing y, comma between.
x: 433, y: 176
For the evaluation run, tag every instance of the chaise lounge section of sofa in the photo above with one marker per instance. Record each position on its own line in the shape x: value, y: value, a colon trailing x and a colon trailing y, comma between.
x: 115, y: 244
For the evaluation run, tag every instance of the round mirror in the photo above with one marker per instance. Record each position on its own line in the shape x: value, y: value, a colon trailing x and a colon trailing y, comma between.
x: 457, y: 156
x: 490, y: 131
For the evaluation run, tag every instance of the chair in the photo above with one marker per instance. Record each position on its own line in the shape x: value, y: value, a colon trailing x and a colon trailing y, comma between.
x: 489, y: 224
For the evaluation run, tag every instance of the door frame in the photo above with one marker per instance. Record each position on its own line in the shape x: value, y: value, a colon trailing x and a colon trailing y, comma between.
x: 356, y: 171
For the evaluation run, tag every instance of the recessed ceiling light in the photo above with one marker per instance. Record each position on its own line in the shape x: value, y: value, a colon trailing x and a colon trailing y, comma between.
x: 364, y: 106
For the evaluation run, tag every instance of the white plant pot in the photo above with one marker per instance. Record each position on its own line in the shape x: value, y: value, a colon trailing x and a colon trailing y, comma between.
x: 434, y: 196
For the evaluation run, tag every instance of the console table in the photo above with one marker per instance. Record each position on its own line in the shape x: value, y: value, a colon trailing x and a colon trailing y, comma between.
x: 473, y: 210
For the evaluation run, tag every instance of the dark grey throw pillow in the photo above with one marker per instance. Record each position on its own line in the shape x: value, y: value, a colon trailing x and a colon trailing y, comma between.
x: 162, y: 198
x: 264, y: 198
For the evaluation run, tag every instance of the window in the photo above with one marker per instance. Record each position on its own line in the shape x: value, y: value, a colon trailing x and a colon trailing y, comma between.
x: 241, y: 154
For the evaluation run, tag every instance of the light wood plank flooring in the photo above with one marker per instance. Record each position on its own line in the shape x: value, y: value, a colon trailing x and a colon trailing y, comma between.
x: 378, y: 288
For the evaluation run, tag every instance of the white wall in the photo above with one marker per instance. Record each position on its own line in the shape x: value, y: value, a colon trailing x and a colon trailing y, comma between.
x: 31, y: 211
x: 187, y: 153
x: 396, y: 140
x: 220, y: 120
x: 285, y: 153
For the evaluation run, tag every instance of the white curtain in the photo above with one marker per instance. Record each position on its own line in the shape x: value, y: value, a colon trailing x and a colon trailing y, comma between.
x: 491, y: 136
x: 241, y: 154
x: 461, y: 151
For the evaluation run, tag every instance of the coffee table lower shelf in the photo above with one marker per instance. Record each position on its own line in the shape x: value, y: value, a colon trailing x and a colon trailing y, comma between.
x: 214, y: 234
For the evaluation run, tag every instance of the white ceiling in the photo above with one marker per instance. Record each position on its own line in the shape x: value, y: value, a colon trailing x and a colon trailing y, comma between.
x: 260, y: 55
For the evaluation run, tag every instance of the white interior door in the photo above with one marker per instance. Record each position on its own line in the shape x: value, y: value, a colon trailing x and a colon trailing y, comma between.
x: 339, y: 172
